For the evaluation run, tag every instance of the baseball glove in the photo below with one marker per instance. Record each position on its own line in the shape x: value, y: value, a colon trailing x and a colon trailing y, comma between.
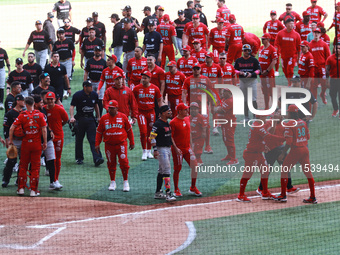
x: 12, y: 152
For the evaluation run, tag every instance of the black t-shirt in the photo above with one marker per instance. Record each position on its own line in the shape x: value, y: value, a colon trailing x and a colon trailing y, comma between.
x: 180, y: 26
x: 37, y: 90
x: 101, y: 28
x: 146, y: 21
x: 129, y: 40
x: 84, y: 34
x: 163, y: 131
x: 35, y: 70
x: 203, y: 19
x: 247, y: 65
x: 24, y: 78
x: 133, y: 19
x: 64, y: 48
x: 301, y: 96
x: 40, y: 40
x: 57, y: 75
x: 117, y: 35
x: 84, y: 103
x: 152, y: 41
x: 9, y: 118
x: 188, y: 13
x: 88, y: 46
x: 9, y: 102
x: 95, y: 68
x: 70, y: 33
x: 3, y: 57
x: 62, y: 9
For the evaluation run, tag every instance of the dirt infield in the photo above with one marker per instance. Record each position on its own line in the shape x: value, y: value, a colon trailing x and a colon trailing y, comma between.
x: 74, y: 226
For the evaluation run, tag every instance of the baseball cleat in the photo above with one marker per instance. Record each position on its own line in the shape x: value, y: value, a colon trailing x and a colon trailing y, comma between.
x: 177, y: 193
x: 34, y: 193
x: 195, y: 191
x: 267, y: 196
x: 169, y: 197
x: 323, y: 98
x: 99, y: 162
x: 4, y: 184
x: 335, y: 113
x: 208, y: 150
x: 310, y: 200
x: 112, y: 185
x: 258, y: 191
x: 280, y: 198
x: 292, y: 190
x: 58, y: 185
x: 21, y: 192
x: 233, y: 162
x: 159, y: 195
x: 53, y: 186
x: 42, y: 161
x: 126, y: 187
x: 215, y: 131
x: 277, y: 73
x: 150, y: 154
x: 47, y: 172
x: 243, y: 199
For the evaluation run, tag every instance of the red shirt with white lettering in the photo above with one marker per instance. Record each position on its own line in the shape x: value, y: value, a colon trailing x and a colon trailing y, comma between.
x: 199, y: 55
x: 316, y: 13
x: 174, y: 83
x: 180, y: 132
x: 145, y: 96
x: 217, y: 37
x: 288, y: 43
x: 213, y: 72
x: 197, y: 33
x: 107, y: 76
x: 303, y: 30
x: 229, y: 74
x: 235, y: 34
x: 224, y: 14
x: 166, y: 31
x: 197, y: 124
x: 320, y: 52
x: 194, y: 86
x: 266, y: 56
x: 331, y: 61
x: 55, y: 118
x: 134, y: 68
x: 273, y: 27
x: 306, y: 65
x: 326, y: 39
x: 297, y: 135
x: 157, y: 75
x: 227, y: 106
x: 185, y: 65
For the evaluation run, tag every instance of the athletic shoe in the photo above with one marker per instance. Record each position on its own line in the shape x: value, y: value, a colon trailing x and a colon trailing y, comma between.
x: 292, y: 190
x: 52, y: 186
x: 5, y: 161
x: 21, y: 192
x: 145, y: 155
x: 243, y: 199
x: 323, y: 98
x: 170, y: 197
x: 58, y: 185
x: 177, y: 193
x: 280, y: 198
x: 267, y: 196
x: 208, y: 150
x: 99, y: 162
x: 215, y: 131
x: 277, y: 73
x: 150, y: 154
x: 34, y: 193
x: 4, y: 184
x: 47, y: 172
x: 195, y: 191
x: 126, y: 187
x: 16, y: 168
x: 65, y: 96
x: 79, y: 161
x: 258, y: 191
x: 233, y: 162
x: 1, y: 106
x: 226, y: 158
x: 199, y: 162
x: 159, y: 195
x: 42, y: 161
x: 335, y: 113
x: 112, y: 185
x: 310, y: 200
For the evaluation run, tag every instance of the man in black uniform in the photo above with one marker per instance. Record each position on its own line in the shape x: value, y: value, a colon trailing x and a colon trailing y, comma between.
x: 58, y: 75
x: 203, y: 18
x: 64, y: 11
x: 33, y: 68
x: 70, y: 31
x: 85, y: 32
x: 9, y: 118
x: 148, y: 19
x: 100, y: 26
x: 88, y: 45
x: 93, y: 71
x: 180, y: 24
x: 153, y: 43
x: 3, y: 58
x: 22, y: 76
x: 117, y: 37
x: 161, y: 142
x: 86, y: 101
x: 134, y: 22
x: 44, y: 85
x: 41, y: 42
x: 190, y: 10
x: 49, y: 28
x: 15, y: 90
x: 130, y: 42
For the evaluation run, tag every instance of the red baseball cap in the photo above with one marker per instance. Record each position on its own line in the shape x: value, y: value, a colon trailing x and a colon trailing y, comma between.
x: 320, y: 24
x: 338, y: 4
x: 305, y: 13
x: 50, y: 95
x: 117, y: 75
x: 304, y: 43
x: 312, y: 1
x: 187, y: 48
x: 166, y: 17
x: 196, y: 41
x: 181, y: 106
x: 172, y: 63
x: 266, y: 36
x: 220, y: 20
x: 147, y: 73
x: 209, y: 54
x: 195, y: 16
x: 293, y: 108
x: 197, y: 64
x: 113, y: 103
x: 273, y: 12
x: 161, y: 8
x: 232, y: 17
x: 317, y: 30
x: 112, y: 57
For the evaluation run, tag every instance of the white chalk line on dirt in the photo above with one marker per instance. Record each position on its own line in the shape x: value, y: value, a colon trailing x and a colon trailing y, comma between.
x: 190, y: 239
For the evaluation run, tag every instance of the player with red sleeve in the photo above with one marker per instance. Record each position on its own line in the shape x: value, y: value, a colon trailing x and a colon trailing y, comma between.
x: 196, y: 30
x: 33, y: 125
x: 217, y: 37
x: 316, y: 12
x: 306, y: 68
x: 115, y: 129
x: 289, y: 14
x: 228, y: 70
x: 304, y: 26
x: 169, y: 34
x: 186, y: 63
x: 297, y: 136
x: 253, y: 157
x: 320, y: 52
x: 157, y: 73
x: 174, y: 80
x: 253, y: 41
x: 135, y: 67
x: 57, y: 117
x: 180, y: 135
x: 288, y: 43
x: 211, y: 70
x: 337, y: 17
x: 198, y: 52
x: 234, y: 39
x: 146, y: 94
x: 223, y: 12
x: 267, y: 60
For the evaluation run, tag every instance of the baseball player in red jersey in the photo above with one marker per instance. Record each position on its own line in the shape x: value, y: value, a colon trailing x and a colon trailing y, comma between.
x: 267, y: 58
x: 306, y: 68
x: 316, y: 12
x: 34, y: 126
x: 169, y: 34
x: 124, y: 96
x: 217, y: 37
x: 253, y: 41
x: 196, y: 30
x: 273, y: 26
x: 198, y: 52
x: 233, y: 40
x: 337, y: 17
x: 288, y: 42
x: 180, y: 134
x: 324, y: 36
x: 57, y: 117
x: 254, y: 158
x: 331, y: 72
x: 228, y: 70
x: 135, y: 67
x: 211, y: 70
x: 290, y: 14
x: 174, y: 80
x: 297, y: 136
x: 186, y: 63
x: 320, y: 52
x: 107, y: 74
x: 223, y: 12
x: 157, y: 73
x: 146, y: 93
x: 115, y: 129
x: 304, y: 26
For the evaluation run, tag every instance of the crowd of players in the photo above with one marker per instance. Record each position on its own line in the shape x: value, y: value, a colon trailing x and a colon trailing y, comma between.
x: 138, y: 89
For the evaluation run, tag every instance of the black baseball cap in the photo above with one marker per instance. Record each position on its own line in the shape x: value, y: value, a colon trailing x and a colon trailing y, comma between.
x: 146, y: 8
x: 97, y: 48
x: 126, y: 20
x: 50, y: 15
x: 128, y: 7
x: 89, y: 19
x: 296, y: 78
x: 198, y: 6
x: 19, y: 98
x: 60, y: 31
x: 151, y: 23
x: 164, y: 108
x: 92, y: 28
x: 94, y: 14
x: 115, y: 16
x: 19, y: 61
x: 38, y: 22
x: 87, y: 84
x: 180, y: 12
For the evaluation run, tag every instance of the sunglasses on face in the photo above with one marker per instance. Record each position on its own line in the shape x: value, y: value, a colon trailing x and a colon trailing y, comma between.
x: 222, y: 58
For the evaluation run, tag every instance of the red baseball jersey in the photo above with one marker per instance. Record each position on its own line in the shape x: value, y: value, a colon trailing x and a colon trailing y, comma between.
x: 303, y: 30
x: 224, y: 14
x: 331, y: 61
x: 266, y: 56
x: 273, y: 27
x: 227, y: 106
x: 229, y: 73
x: 194, y: 87
x: 306, y: 65
x: 185, y: 65
x: 115, y: 130
x: 166, y: 31
x: 298, y: 134
x: 279, y: 131
x: 197, y: 124
x: 253, y: 41
x: 213, y: 72
x: 320, y: 52
x: 174, y: 83
x: 145, y: 96
x: 199, y: 55
x: 337, y: 17
x: 217, y: 37
x: 55, y: 118
x: 134, y: 68
x: 326, y: 39
x: 293, y: 15
x: 180, y: 132
x: 288, y: 43
x: 235, y: 34
x: 197, y: 33
x: 107, y: 76
x: 157, y: 75
x: 316, y: 13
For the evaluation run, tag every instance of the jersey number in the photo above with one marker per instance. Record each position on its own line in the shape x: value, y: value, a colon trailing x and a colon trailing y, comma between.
x: 238, y: 32
x: 302, y: 132
x: 164, y: 32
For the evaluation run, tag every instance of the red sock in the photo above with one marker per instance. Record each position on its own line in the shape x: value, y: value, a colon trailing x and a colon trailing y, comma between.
x: 193, y: 182
x: 284, y: 186
x: 125, y: 174
x: 176, y: 178
x: 112, y: 174
x: 243, y: 184
x: 264, y: 182
x: 311, y: 183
